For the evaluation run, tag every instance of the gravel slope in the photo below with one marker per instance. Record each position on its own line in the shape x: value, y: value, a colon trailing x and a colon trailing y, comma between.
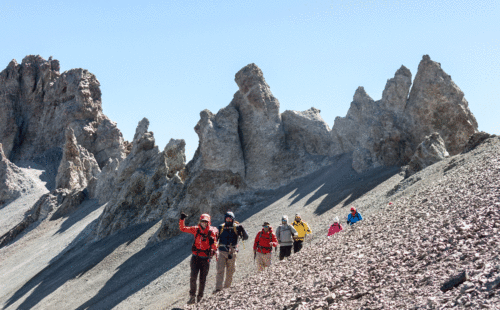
x: 403, y: 255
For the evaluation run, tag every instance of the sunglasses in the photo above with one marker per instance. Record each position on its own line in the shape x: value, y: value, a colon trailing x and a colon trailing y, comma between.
x: 204, y: 221
x: 265, y: 226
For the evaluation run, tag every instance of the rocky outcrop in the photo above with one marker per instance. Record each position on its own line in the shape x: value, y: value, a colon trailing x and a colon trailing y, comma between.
x: 220, y: 146
x: 475, y: 140
x: 436, y: 104
x: 143, y: 186
x: 429, y: 152
x: 387, y: 132
x: 307, y: 132
x: 396, y: 91
x: 38, y: 103
x: 78, y: 168
x: 10, y: 179
x: 261, y: 131
x: 374, y: 133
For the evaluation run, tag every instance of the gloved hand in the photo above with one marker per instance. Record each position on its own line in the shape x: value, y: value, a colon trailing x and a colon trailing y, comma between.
x: 183, y: 215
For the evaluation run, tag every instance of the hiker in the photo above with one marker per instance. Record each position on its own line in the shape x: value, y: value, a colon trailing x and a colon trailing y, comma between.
x: 335, y: 227
x: 203, y: 248
x: 262, y: 246
x: 229, y: 232
x: 286, y: 235
x: 302, y: 230
x: 354, y: 216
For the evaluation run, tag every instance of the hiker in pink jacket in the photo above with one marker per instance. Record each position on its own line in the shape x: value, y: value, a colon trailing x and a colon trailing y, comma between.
x: 335, y: 227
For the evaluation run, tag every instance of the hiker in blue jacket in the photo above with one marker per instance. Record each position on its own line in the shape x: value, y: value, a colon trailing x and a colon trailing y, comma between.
x: 354, y: 216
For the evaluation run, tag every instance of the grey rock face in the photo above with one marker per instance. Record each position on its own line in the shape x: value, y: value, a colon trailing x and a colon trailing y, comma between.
x: 373, y: 132
x: 437, y: 104
x: 307, y: 132
x: 262, y: 135
x: 387, y: 132
x: 429, y: 152
x: 78, y: 168
x: 39, y: 103
x: 143, y: 186
x: 475, y: 140
x: 220, y: 145
x: 396, y: 91
x: 10, y: 176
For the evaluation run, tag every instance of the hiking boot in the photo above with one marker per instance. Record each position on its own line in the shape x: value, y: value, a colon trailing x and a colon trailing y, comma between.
x: 199, y: 298
x: 192, y: 300
x: 216, y: 291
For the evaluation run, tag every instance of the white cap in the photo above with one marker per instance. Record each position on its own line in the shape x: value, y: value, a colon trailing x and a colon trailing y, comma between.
x: 336, y: 219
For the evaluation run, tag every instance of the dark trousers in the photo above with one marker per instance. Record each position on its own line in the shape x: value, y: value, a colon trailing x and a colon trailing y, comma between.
x: 199, y: 265
x: 297, y: 246
x: 285, y: 251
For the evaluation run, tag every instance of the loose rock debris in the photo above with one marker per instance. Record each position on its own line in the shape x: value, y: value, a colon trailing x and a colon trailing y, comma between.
x: 435, y: 249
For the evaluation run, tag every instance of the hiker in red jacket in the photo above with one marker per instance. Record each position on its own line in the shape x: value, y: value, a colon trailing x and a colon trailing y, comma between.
x: 262, y: 247
x: 335, y: 227
x: 204, y: 247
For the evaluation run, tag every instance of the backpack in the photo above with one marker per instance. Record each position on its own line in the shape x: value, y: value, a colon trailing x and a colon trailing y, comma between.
x: 204, y: 237
x: 234, y: 228
x: 270, y: 240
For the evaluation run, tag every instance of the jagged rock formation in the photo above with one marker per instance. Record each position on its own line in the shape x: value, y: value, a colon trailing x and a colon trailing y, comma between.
x: 429, y: 152
x: 9, y: 178
x: 78, y: 168
x: 215, y: 173
x: 374, y: 130
x: 437, y: 104
x: 388, y: 131
x: 475, y: 140
x: 143, y: 186
x: 266, y: 149
x: 262, y: 135
x: 220, y: 142
x: 38, y: 103
x: 246, y: 146
x: 307, y: 132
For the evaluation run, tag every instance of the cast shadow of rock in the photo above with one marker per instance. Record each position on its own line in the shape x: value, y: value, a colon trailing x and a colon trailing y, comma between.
x: 335, y: 183
x: 87, y: 206
x: 139, y: 271
x: 72, y: 264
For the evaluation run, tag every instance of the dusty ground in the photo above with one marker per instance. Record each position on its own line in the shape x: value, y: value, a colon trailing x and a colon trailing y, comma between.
x: 57, y: 266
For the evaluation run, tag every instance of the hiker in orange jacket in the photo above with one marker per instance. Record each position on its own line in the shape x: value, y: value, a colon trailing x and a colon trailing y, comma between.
x: 262, y: 246
x: 203, y: 248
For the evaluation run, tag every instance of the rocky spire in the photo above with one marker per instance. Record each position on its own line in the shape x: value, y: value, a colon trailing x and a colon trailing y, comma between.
x: 78, y: 168
x: 436, y: 104
x: 396, y: 91
x: 262, y: 135
x: 39, y: 103
x: 220, y: 146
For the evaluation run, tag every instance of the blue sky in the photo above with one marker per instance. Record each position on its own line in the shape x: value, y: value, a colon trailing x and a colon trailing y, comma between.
x: 169, y: 60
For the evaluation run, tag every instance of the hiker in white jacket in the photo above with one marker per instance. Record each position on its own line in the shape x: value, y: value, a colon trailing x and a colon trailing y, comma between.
x: 285, y: 235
